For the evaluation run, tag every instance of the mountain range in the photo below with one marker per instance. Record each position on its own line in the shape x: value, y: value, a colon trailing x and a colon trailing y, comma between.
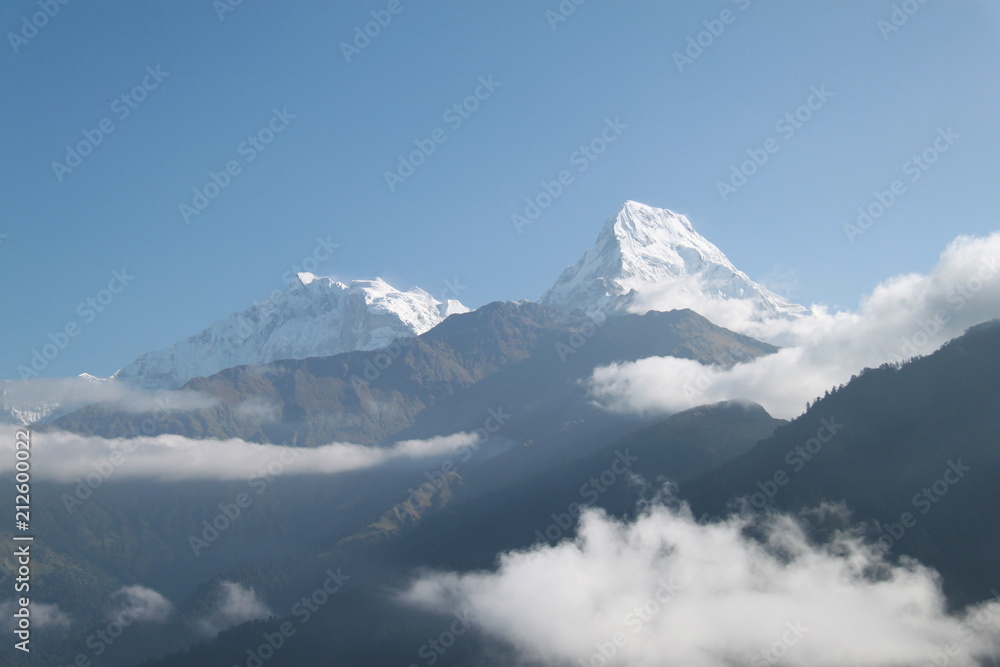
x: 365, y: 367
x: 894, y: 435
x: 314, y: 317
x: 643, y: 257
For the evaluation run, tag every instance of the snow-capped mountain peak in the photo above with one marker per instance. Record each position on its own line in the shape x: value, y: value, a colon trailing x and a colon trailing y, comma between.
x: 314, y: 317
x: 650, y: 256
x: 654, y: 241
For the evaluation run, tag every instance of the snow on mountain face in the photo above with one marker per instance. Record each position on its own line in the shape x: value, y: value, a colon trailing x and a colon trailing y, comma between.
x: 316, y: 317
x: 642, y: 254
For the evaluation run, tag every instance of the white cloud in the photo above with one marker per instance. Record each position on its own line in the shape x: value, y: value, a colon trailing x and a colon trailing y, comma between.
x: 235, y: 604
x: 43, y: 615
x: 66, y: 457
x: 668, y: 590
x: 903, y: 317
x: 42, y: 399
x: 782, y: 280
x: 260, y: 408
x: 138, y: 603
x: 680, y: 292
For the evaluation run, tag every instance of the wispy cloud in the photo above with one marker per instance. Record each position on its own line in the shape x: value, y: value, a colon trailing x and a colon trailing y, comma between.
x: 66, y: 457
x: 43, y: 615
x: 43, y: 398
x: 140, y: 604
x: 234, y: 604
x: 905, y: 316
x: 259, y: 408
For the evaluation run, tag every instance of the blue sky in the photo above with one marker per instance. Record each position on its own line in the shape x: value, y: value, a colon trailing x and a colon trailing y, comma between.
x: 323, y: 175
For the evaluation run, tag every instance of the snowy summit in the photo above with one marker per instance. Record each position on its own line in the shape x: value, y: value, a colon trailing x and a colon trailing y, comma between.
x: 643, y: 252
x: 315, y: 317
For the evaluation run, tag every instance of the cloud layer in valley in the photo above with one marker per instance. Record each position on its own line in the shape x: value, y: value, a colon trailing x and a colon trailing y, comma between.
x: 66, y: 457
x: 905, y: 316
x: 43, y: 399
x: 668, y: 590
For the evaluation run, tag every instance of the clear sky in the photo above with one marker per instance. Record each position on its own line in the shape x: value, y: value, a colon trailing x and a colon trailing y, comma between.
x: 218, y: 81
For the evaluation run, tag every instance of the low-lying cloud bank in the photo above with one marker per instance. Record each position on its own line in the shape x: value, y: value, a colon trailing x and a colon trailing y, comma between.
x: 43, y: 399
x: 903, y: 317
x: 666, y: 590
x: 66, y: 457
